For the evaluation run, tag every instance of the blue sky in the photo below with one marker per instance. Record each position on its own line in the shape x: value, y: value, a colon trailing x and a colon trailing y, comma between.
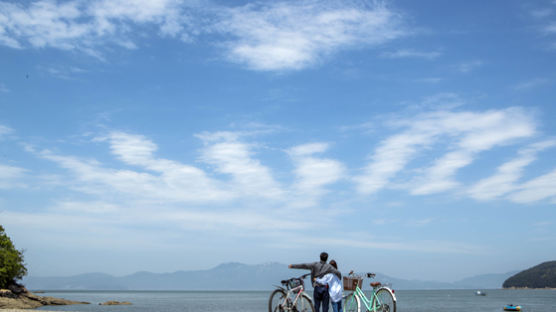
x: 412, y: 138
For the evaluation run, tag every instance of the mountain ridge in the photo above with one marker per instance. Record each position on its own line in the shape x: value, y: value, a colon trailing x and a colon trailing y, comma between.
x: 232, y: 276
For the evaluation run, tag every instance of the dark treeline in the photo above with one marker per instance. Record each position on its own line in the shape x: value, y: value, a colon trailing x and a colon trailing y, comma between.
x: 540, y: 276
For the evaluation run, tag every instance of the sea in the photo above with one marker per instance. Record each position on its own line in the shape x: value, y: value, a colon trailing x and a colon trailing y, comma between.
x: 531, y: 300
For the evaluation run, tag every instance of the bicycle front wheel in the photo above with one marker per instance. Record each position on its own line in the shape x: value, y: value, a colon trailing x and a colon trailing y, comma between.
x: 351, y: 303
x: 304, y: 304
x: 385, y: 301
x: 276, y: 299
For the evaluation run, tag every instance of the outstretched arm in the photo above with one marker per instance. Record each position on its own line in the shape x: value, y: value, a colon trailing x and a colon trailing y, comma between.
x: 306, y: 266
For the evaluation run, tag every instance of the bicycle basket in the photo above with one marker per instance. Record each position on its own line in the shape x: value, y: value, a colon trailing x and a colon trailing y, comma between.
x: 294, y: 282
x: 351, y: 282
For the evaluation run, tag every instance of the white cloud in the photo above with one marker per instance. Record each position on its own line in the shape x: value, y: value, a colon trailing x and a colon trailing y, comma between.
x: 550, y: 28
x: 62, y: 72
x: 408, y: 53
x: 292, y: 35
x: 478, y: 133
x: 9, y: 176
x: 540, y: 188
x: 79, y: 25
x: 530, y: 84
x: 442, y: 101
x: 313, y: 173
x: 470, y: 66
x: 282, y: 35
x: 431, y: 80
x: 389, y: 158
x: 469, y: 132
x: 3, y: 88
x: 232, y: 157
x: 505, y: 179
x: 5, y: 130
x: 170, y: 181
x: 541, y: 13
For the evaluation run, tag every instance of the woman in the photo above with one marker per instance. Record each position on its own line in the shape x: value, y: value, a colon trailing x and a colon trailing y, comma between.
x: 335, y: 287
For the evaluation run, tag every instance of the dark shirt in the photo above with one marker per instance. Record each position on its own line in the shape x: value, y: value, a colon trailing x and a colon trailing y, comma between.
x: 318, y: 269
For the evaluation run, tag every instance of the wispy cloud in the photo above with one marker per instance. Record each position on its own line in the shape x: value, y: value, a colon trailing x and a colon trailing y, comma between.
x: 530, y: 84
x: 5, y: 130
x: 541, y: 13
x: 3, y: 88
x: 62, y: 72
x: 431, y: 80
x: 269, y: 36
x: 467, y: 67
x: 507, y: 175
x: 293, y: 35
x: 480, y: 133
x: 313, y: 173
x: 78, y: 25
x: 409, y: 53
x: 469, y: 132
x: 10, y: 176
x: 550, y: 28
x: 540, y: 188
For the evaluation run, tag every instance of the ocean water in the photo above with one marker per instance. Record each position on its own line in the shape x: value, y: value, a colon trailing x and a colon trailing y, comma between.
x: 531, y: 300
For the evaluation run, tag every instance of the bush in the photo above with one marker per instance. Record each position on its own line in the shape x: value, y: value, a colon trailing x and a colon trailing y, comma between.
x: 12, y: 267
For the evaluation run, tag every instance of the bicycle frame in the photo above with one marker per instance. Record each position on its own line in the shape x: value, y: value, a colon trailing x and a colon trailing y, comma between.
x: 289, y: 293
x: 370, y: 304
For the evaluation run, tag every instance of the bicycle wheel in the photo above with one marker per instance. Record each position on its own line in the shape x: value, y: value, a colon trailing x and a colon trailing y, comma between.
x: 386, y: 300
x: 351, y: 303
x: 304, y: 304
x: 276, y: 298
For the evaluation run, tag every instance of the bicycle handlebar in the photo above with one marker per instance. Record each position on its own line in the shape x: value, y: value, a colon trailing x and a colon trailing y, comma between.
x: 369, y: 275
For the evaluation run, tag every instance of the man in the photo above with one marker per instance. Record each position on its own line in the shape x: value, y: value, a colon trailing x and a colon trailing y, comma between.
x: 318, y: 269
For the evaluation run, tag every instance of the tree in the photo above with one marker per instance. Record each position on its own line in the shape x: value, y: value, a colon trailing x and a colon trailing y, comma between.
x: 12, y: 267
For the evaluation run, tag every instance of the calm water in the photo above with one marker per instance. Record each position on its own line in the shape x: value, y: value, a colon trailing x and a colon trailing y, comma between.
x: 246, y: 301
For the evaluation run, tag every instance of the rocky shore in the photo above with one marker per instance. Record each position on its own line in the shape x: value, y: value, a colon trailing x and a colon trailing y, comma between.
x: 18, y: 297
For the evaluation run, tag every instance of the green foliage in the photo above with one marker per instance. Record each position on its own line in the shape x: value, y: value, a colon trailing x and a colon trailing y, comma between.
x: 540, y: 276
x: 12, y: 267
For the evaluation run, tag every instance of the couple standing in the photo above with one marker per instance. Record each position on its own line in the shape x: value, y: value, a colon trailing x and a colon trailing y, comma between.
x: 326, y: 281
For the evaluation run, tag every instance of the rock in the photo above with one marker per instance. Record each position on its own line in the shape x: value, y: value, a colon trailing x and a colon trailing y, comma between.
x: 27, y: 300
x: 113, y: 302
x: 17, y: 289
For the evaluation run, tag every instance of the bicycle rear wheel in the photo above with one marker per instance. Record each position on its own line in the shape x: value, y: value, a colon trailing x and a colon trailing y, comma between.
x: 304, y: 304
x: 351, y: 303
x: 276, y: 298
x: 386, y: 300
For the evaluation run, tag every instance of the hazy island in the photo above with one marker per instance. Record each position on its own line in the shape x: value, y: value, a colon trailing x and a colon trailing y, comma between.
x: 539, y: 276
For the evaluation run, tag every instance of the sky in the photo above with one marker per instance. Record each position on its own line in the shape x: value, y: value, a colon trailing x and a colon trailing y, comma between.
x: 411, y: 138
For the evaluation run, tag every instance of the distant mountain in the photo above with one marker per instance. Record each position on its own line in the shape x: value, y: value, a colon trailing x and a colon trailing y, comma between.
x: 484, y: 281
x: 231, y: 276
x: 228, y: 276
x: 539, y: 276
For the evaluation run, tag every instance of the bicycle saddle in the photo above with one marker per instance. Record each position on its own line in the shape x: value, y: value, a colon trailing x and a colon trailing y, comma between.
x: 375, y: 284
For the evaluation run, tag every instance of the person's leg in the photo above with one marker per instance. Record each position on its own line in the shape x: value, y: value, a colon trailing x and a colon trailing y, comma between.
x: 335, y: 307
x: 325, y: 300
x: 317, y: 297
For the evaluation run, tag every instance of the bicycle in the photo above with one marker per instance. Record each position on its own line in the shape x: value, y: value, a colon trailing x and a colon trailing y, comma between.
x: 382, y: 298
x: 291, y: 297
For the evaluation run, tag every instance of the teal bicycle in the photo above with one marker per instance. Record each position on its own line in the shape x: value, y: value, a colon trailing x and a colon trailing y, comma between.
x: 382, y: 298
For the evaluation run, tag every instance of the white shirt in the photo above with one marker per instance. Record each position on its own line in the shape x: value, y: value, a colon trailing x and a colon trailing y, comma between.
x: 335, y: 287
